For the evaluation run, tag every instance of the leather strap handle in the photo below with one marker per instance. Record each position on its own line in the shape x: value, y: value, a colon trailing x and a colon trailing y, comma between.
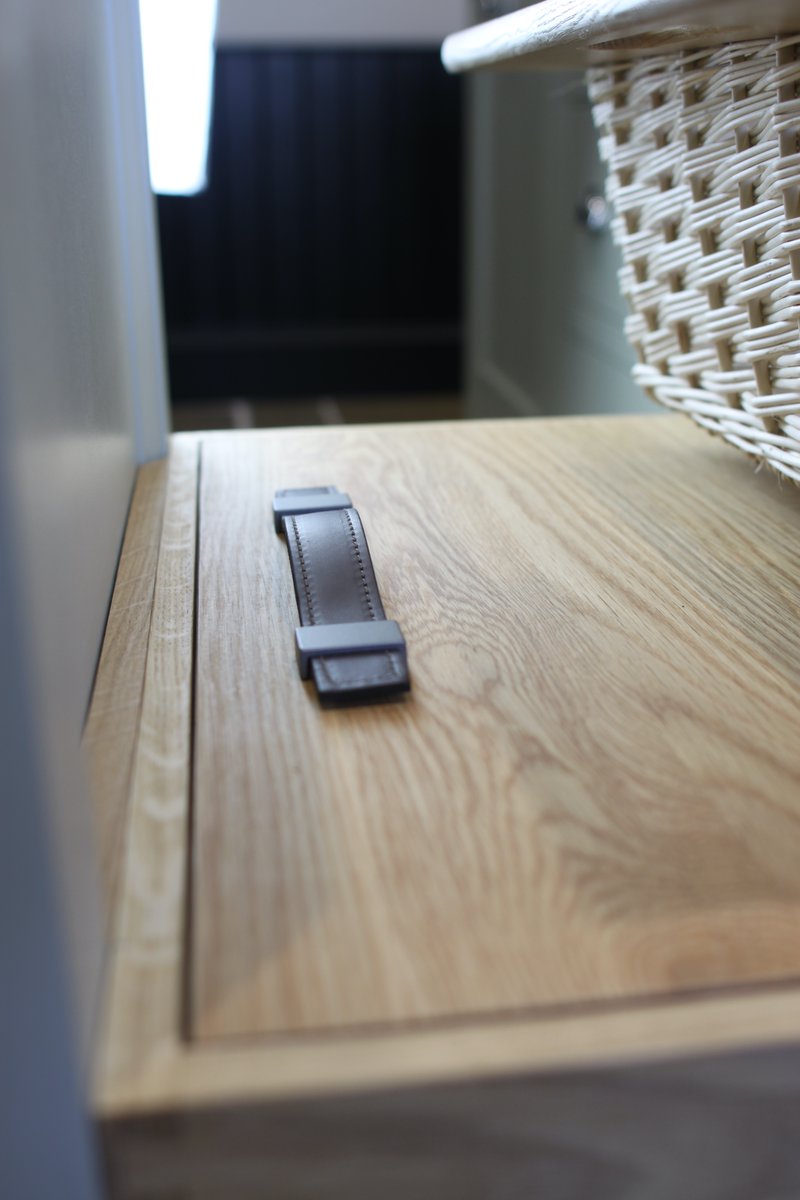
x: 303, y: 500
x: 355, y: 655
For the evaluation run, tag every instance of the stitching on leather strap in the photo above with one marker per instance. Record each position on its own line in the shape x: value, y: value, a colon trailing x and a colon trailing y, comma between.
x: 323, y: 582
x: 309, y: 595
x: 359, y: 564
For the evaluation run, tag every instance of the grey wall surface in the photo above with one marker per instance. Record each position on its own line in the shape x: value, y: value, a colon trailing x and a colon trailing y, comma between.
x: 342, y: 22
x: 544, y: 313
x: 81, y: 400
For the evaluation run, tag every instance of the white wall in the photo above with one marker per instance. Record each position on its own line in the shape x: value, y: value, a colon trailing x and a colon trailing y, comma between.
x: 344, y: 22
x: 81, y: 399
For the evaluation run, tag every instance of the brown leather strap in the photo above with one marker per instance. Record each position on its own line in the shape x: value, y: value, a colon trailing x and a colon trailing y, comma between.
x: 335, y: 586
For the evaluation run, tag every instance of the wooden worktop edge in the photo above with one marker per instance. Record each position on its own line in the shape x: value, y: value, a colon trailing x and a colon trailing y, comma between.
x: 181, y: 1076
x: 112, y: 722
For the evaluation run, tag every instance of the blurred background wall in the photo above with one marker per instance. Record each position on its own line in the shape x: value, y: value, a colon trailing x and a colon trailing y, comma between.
x: 343, y: 22
x: 381, y: 241
x: 544, y: 316
x: 319, y: 276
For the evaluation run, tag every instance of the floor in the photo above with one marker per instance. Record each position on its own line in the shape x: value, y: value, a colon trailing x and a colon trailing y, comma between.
x: 189, y: 415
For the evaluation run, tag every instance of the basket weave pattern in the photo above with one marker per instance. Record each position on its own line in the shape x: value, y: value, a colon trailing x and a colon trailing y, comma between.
x: 703, y: 157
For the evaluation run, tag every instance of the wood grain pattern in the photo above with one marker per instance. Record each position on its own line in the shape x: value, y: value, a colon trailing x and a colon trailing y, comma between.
x: 572, y: 33
x: 148, y: 1066
x: 690, y: 1094
x: 112, y: 725
x: 593, y: 793
x: 144, y: 990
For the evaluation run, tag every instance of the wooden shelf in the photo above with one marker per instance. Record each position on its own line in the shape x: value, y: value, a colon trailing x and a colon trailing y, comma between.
x: 353, y: 950
x: 575, y: 33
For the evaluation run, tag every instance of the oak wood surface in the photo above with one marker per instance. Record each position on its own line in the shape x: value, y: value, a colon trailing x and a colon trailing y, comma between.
x: 144, y: 990
x: 684, y: 1092
x: 593, y: 792
x: 573, y: 33
x: 112, y: 725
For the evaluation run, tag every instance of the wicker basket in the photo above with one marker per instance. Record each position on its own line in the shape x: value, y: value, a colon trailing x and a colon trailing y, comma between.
x: 703, y: 155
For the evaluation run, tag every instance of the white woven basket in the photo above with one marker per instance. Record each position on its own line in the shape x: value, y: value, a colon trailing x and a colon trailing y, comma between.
x: 703, y: 156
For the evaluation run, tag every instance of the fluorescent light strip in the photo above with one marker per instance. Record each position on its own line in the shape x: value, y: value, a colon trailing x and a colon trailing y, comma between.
x: 178, y: 50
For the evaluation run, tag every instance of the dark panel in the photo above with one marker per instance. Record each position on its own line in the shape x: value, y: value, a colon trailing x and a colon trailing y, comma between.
x: 325, y: 254
x: 313, y: 361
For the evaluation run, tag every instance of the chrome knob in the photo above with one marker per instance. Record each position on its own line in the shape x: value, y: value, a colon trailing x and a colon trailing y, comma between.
x: 594, y: 213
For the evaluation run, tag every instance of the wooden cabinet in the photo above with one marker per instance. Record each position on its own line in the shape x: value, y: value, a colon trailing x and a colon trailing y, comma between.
x: 531, y: 931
